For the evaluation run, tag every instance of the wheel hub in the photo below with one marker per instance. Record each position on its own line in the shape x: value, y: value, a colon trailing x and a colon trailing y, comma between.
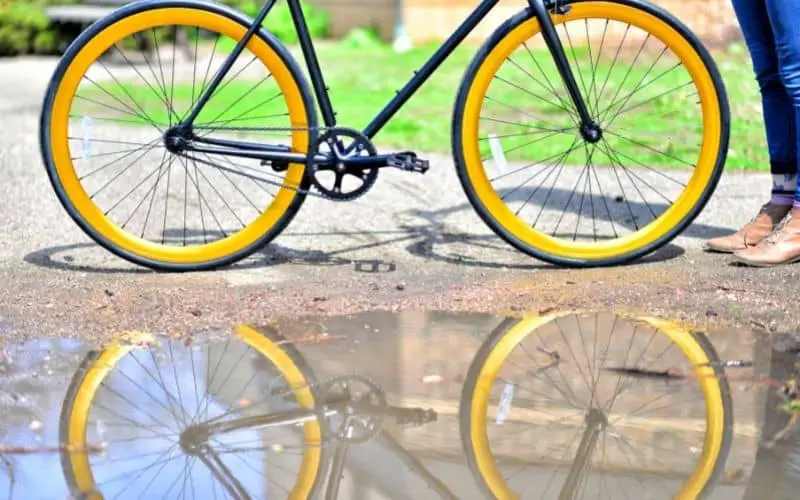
x: 176, y: 139
x: 193, y: 440
x: 592, y: 133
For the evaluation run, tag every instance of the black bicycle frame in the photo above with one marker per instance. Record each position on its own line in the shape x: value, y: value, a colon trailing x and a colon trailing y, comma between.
x: 282, y: 154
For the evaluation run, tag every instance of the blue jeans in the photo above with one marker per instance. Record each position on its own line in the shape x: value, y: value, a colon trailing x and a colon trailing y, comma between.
x: 771, y: 30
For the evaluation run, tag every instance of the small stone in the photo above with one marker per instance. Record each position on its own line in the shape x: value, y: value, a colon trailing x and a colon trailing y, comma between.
x: 108, y: 293
x: 401, y: 286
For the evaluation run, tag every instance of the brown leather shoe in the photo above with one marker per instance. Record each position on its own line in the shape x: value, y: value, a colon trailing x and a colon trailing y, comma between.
x: 751, y: 233
x: 780, y: 247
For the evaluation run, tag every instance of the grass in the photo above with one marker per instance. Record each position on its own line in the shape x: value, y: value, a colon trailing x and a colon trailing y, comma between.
x: 363, y: 80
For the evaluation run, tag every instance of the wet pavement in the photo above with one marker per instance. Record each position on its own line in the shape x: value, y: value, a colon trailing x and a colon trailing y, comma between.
x: 427, y: 403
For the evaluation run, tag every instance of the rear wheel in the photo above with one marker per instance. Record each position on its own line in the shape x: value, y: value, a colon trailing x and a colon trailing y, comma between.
x: 145, y: 399
x: 105, y: 125
x: 526, y: 168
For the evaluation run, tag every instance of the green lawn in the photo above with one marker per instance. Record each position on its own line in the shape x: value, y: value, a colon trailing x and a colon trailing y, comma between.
x: 363, y: 80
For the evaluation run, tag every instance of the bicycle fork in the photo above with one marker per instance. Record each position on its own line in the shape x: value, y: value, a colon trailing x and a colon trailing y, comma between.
x: 590, y: 130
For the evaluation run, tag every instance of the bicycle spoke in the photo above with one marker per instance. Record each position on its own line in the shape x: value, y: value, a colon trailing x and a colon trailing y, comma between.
x: 575, y: 60
x: 532, y: 94
x: 147, y: 194
x: 639, y: 87
x: 166, y: 205
x: 141, y: 113
x: 158, y: 461
x: 614, y: 61
x: 161, y: 96
x: 564, y: 104
x: 125, y: 169
x: 569, y: 199
x: 203, y: 88
x: 152, y: 145
x: 595, y: 64
x: 628, y: 173
x: 630, y: 69
x: 610, y: 151
x: 244, y: 113
x: 588, y: 183
x: 550, y: 85
x: 548, y: 167
x: 625, y: 110
x: 525, y: 145
x: 561, y: 163
x: 129, y: 111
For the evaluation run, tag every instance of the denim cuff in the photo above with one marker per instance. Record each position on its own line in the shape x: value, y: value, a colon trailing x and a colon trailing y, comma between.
x: 783, y: 167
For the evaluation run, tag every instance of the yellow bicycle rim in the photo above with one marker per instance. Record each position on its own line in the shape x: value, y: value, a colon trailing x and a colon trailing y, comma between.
x: 695, y: 354
x: 93, y: 215
x: 658, y: 228
x: 109, y: 357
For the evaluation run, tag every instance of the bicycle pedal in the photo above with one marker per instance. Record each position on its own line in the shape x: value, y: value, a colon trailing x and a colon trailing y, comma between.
x: 408, y: 161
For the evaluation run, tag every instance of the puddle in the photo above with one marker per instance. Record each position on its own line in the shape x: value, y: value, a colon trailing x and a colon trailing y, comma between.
x: 436, y: 402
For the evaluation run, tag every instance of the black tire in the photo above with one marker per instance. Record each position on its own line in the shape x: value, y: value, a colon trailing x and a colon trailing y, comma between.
x: 470, y: 383
x: 131, y: 10
x: 458, y: 149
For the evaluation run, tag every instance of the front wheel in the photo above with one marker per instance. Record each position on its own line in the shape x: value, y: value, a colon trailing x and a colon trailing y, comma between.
x: 543, y: 414
x: 649, y: 84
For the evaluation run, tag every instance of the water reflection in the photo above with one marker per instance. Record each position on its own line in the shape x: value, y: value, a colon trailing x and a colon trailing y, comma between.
x: 411, y: 405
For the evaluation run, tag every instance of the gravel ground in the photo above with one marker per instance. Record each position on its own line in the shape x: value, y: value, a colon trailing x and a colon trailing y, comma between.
x: 418, y: 234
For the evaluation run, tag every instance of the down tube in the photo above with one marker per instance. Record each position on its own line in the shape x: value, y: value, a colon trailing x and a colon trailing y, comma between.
x: 422, y: 75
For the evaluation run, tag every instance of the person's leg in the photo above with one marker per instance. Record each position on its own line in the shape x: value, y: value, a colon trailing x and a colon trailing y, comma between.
x: 783, y: 246
x: 779, y: 122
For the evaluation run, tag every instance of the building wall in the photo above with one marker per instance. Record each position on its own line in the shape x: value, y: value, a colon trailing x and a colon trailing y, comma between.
x: 428, y: 20
x: 434, y: 20
x: 348, y: 14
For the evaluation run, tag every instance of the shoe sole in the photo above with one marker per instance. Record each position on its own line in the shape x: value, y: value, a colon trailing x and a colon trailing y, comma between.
x: 744, y: 262
x: 711, y: 249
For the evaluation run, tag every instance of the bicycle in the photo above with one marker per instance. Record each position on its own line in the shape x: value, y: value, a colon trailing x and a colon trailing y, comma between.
x: 280, y: 399
x: 186, y: 113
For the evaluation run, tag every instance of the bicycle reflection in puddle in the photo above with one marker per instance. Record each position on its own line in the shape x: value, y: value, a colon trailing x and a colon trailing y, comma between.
x: 380, y: 405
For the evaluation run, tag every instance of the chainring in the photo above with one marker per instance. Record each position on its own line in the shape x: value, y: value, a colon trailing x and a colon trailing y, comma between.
x: 354, y: 427
x: 342, y: 143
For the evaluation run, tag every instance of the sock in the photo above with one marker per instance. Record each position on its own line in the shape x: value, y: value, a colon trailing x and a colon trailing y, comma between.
x: 784, y: 188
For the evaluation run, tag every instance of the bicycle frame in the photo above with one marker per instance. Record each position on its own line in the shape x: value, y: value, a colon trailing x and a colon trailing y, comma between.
x: 196, y: 436
x: 282, y: 154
